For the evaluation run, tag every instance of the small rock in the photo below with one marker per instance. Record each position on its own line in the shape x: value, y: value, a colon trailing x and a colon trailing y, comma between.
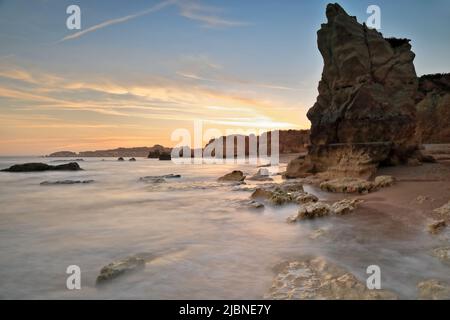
x: 48, y: 183
x: 442, y: 254
x: 253, y: 204
x: 120, y: 159
x: 279, y: 197
x: 437, y: 227
x: 261, y: 193
x: 311, y: 211
x: 345, y: 206
x: 305, y: 197
x: 150, y: 179
x: 421, y: 199
x: 444, y: 211
x: 132, y: 159
x: 433, y: 290
x: 316, y: 234
x: 235, y: 176
x: 165, y: 176
x: 34, y: 167
x: 319, y: 279
x: 384, y: 181
x: 261, y: 175
x: 115, y: 269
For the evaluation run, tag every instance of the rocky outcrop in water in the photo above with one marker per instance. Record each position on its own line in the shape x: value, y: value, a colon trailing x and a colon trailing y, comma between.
x: 365, y: 112
x: 318, y: 279
x: 118, y: 268
x: 433, y: 289
x: 263, y: 174
x: 235, y: 176
x: 433, y: 109
x: 35, y: 167
x: 312, y: 210
x: 65, y: 182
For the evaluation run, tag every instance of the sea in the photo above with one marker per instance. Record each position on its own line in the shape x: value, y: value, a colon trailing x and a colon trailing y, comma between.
x: 200, y: 239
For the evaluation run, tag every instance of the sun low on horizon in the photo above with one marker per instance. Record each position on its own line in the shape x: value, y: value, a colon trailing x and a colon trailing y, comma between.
x: 135, y: 72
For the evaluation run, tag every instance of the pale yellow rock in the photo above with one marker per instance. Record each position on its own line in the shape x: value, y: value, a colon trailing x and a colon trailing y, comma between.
x: 384, y: 181
x: 444, y: 211
x: 433, y: 290
x: 317, y: 279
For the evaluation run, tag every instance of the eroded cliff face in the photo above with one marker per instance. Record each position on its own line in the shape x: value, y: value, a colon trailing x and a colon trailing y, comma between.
x: 365, y: 112
x: 433, y: 109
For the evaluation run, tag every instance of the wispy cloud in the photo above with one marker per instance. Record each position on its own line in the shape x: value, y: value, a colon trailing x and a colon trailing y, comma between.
x: 111, y: 22
x: 207, y: 15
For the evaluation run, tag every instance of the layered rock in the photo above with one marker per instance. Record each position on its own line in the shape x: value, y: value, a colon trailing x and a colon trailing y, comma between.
x: 433, y: 109
x: 365, y: 114
x: 289, y: 141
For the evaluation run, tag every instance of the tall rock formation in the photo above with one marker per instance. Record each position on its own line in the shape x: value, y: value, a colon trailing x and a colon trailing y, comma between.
x: 365, y: 112
x: 433, y: 109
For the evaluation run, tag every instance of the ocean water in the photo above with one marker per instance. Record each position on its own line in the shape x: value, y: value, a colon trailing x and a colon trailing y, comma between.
x: 202, y: 242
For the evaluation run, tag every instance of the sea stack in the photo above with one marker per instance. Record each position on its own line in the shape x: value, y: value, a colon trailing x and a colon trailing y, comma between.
x: 365, y: 113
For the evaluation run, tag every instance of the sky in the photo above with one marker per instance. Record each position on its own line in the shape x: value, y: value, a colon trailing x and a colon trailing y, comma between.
x: 138, y: 70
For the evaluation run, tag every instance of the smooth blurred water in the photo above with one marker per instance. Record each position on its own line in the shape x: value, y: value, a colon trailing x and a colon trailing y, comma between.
x: 205, y: 244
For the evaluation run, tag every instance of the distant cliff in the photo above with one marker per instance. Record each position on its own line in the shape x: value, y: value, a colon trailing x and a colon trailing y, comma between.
x: 119, y: 152
x: 433, y: 109
x: 290, y: 141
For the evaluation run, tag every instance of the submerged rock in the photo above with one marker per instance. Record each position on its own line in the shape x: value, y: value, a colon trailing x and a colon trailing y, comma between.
x: 235, y: 176
x: 433, y: 290
x: 152, y: 180
x: 132, y: 159
x: 120, y: 159
x: 59, y: 182
x: 164, y: 176
x: 253, y: 204
x: 261, y: 175
x: 318, y: 233
x: 311, y: 211
x: 444, y: 211
x: 317, y: 279
x: 35, y: 167
x: 118, y: 268
x: 437, y: 227
x: 442, y: 254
